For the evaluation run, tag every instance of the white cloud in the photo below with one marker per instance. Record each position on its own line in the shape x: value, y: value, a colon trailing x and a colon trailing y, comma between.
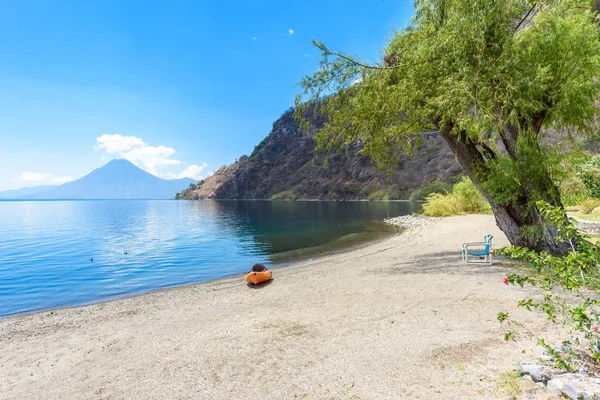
x: 193, y: 171
x: 307, y: 55
x: 291, y: 31
x: 357, y: 81
x: 117, y: 143
x: 44, y: 178
x: 150, y: 158
x: 132, y: 148
x: 254, y: 38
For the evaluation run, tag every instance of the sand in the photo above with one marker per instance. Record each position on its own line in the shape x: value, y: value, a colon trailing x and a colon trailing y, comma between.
x: 400, y: 319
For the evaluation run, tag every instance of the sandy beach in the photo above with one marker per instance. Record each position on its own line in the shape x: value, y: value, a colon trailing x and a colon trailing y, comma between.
x: 403, y: 318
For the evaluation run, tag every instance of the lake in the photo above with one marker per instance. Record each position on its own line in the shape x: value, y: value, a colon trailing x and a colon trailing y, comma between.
x: 47, y: 247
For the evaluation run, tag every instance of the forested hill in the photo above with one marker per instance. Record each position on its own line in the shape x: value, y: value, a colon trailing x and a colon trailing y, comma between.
x: 282, y: 166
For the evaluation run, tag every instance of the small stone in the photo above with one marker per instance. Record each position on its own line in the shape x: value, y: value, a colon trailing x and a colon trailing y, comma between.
x: 538, y: 372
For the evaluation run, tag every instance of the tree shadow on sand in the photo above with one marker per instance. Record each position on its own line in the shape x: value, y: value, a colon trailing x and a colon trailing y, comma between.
x: 441, y: 263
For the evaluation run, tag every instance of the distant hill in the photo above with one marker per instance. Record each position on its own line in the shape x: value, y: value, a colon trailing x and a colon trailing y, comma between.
x: 119, y: 179
x: 282, y: 167
x: 26, y: 191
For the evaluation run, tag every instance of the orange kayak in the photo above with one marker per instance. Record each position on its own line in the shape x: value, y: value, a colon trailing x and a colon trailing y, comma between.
x: 258, y: 277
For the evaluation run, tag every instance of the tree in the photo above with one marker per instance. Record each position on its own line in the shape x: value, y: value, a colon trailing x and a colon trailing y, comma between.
x: 489, y: 76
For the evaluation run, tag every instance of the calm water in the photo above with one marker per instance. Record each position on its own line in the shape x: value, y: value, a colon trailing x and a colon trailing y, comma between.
x: 46, y: 247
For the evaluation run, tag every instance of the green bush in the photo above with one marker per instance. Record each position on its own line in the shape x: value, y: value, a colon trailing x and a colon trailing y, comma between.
x: 567, y: 175
x: 465, y: 198
x: 394, y: 192
x: 570, y: 286
x: 286, y: 195
x: 590, y: 175
x: 434, y: 186
x: 382, y: 194
x: 588, y: 205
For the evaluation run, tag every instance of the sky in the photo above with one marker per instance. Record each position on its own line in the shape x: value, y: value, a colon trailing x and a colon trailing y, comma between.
x: 180, y: 88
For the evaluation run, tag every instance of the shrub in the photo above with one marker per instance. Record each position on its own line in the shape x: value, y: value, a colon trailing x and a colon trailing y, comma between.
x: 434, y: 186
x: 442, y: 205
x: 571, y: 286
x: 590, y: 175
x: 382, y: 194
x: 286, y: 195
x: 465, y: 198
x: 588, y: 205
x: 565, y: 170
x: 394, y: 192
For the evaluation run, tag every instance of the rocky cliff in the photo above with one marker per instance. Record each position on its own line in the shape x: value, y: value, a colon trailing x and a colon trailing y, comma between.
x: 283, y: 166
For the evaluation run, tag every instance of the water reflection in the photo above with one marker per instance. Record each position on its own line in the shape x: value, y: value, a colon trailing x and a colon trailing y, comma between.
x: 45, y: 247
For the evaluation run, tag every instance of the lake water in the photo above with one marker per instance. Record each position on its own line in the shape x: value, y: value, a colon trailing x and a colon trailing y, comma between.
x: 46, y: 246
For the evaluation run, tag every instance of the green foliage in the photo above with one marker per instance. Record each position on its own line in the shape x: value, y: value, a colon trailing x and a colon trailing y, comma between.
x: 394, y: 192
x: 286, y: 195
x: 381, y: 194
x: 566, y: 173
x: 474, y: 65
x: 590, y: 175
x: 259, y: 147
x: 588, y: 205
x: 434, y: 186
x: 465, y: 198
x: 480, y: 73
x: 570, y: 286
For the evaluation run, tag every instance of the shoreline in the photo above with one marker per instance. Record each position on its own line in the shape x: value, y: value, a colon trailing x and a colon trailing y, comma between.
x: 400, y: 318
x: 238, y: 277
x: 313, y: 254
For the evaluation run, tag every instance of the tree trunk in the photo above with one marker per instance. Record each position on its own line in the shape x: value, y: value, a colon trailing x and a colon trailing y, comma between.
x: 520, y: 218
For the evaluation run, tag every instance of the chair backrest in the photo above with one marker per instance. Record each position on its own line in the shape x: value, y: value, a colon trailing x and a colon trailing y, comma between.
x: 488, y: 238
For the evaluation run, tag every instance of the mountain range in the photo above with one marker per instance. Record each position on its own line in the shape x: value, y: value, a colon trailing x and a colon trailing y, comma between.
x: 26, y: 191
x: 119, y: 179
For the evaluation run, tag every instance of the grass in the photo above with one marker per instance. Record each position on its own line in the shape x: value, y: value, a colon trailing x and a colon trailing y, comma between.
x: 593, y: 217
x: 510, y: 383
x: 465, y: 198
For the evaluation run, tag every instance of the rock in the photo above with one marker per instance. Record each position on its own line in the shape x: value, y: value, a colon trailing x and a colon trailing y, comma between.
x: 285, y: 165
x: 538, y: 372
x: 576, y: 386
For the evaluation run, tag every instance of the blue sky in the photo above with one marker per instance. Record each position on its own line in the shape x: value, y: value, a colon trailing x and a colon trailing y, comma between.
x: 179, y: 87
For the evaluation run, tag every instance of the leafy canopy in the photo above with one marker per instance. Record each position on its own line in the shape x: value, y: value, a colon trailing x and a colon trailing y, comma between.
x: 474, y: 67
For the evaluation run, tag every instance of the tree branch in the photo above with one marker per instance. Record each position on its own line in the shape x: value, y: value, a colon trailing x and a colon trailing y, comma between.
x: 321, y: 46
x: 527, y: 14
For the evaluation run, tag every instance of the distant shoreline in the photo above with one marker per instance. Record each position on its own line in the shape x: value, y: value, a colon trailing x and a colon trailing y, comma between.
x: 184, y: 200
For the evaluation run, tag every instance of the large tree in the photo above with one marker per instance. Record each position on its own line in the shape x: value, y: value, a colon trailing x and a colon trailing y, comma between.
x: 491, y: 77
